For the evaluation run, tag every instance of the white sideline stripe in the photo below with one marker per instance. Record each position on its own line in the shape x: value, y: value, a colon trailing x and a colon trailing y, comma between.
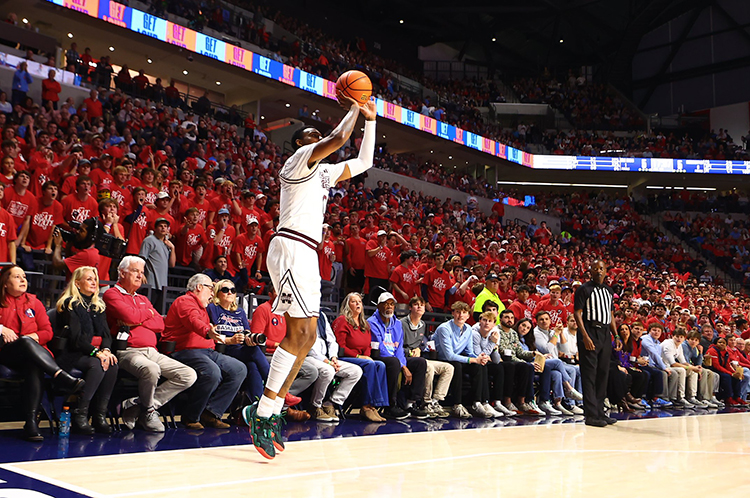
x: 55, y: 482
x: 397, y: 434
x: 413, y: 462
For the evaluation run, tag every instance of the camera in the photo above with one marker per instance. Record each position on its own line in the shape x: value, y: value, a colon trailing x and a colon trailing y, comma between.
x: 257, y: 339
x: 107, y: 244
x: 189, y: 58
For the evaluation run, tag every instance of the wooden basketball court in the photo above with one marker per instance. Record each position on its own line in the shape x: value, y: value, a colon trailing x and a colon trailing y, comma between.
x: 698, y: 455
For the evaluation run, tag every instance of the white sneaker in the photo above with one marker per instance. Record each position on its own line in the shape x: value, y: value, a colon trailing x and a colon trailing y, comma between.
x: 547, y: 408
x: 489, y: 409
x: 574, y: 395
x: 498, y: 406
x: 561, y: 408
x: 478, y: 409
x: 717, y: 402
x: 129, y: 412
x: 698, y: 403
x: 577, y: 410
x: 513, y: 408
x: 460, y: 412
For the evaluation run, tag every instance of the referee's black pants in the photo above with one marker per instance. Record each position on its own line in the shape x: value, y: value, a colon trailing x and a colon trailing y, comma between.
x: 595, y: 369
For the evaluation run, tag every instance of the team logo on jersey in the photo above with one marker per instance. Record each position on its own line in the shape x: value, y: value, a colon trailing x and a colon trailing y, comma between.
x: 285, y: 298
x: 30, y: 313
x: 250, y: 251
x: 3, y: 230
x: 325, y: 179
x: 275, y: 321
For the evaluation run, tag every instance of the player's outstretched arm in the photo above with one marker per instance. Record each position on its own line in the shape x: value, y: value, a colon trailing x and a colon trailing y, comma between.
x: 340, y: 134
x: 363, y: 162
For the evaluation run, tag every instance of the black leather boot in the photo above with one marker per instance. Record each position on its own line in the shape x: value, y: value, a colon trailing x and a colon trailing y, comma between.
x: 32, y: 398
x: 68, y: 383
x: 80, y: 419
x: 99, y: 416
x: 31, y: 427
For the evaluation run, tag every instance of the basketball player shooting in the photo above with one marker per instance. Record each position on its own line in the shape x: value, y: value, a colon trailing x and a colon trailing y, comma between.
x: 293, y: 259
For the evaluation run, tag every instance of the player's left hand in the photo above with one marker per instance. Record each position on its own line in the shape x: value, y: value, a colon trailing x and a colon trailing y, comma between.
x: 369, y: 110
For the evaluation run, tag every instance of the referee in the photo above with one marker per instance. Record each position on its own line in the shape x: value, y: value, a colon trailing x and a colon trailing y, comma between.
x: 593, y: 311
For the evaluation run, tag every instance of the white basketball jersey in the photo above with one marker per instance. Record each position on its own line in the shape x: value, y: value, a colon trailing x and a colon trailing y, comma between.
x: 304, y: 193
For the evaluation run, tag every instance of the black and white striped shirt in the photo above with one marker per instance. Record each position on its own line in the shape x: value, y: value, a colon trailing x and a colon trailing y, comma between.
x: 596, y: 302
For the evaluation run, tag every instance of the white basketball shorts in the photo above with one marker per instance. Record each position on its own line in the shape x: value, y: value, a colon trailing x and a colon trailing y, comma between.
x: 295, y: 273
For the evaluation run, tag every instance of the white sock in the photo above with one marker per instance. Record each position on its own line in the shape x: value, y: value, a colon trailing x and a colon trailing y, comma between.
x: 281, y: 364
x: 265, y: 406
x: 278, y: 405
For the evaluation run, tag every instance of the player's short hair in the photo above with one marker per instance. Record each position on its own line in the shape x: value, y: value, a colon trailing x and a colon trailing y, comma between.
x: 656, y: 325
x: 507, y: 311
x: 298, y: 135
x: 488, y: 315
x: 540, y: 314
x: 694, y: 334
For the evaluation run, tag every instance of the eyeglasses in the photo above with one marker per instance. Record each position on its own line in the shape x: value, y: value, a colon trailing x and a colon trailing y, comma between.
x: 210, y: 286
x: 228, y: 290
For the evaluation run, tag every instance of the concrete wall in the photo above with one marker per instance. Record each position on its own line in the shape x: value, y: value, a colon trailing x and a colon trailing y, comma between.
x: 375, y: 175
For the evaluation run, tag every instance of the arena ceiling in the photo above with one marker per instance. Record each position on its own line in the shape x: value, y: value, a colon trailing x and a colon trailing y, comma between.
x: 532, y: 34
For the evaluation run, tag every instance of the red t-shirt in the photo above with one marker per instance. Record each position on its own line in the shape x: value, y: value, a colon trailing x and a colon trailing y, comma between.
x: 123, y: 197
x: 376, y: 266
x: 7, y: 234
x: 87, y: 257
x: 557, y: 314
x: 248, y: 249
x: 324, y: 260
x: 85, y: 209
x: 437, y: 283
x: 203, y: 209
x: 188, y: 243
x: 19, y: 206
x: 136, y: 232
x: 520, y: 310
x: 42, y: 223
x: 356, y: 257
x: 406, y: 279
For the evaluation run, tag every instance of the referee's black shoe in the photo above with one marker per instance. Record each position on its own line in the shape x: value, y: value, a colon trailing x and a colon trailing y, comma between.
x: 596, y: 422
x: 395, y: 413
x: 609, y: 420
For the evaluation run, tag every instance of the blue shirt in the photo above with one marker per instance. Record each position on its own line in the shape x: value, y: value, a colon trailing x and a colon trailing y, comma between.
x: 651, y: 348
x: 21, y: 80
x: 390, y: 337
x: 453, y: 343
x: 228, y: 322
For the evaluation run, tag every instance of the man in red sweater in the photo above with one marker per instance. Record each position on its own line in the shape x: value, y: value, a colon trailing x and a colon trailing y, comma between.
x: 220, y: 376
x: 135, y: 316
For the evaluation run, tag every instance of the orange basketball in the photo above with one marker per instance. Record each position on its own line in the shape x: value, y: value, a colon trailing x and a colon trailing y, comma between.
x: 355, y: 84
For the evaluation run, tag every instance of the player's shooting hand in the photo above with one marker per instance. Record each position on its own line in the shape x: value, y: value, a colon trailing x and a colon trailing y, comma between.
x: 369, y: 110
x: 346, y: 102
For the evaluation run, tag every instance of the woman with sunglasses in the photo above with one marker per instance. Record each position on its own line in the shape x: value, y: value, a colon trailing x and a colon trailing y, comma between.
x: 231, y: 321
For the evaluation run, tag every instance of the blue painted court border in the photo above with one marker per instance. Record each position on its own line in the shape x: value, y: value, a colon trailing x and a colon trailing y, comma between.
x: 14, y: 449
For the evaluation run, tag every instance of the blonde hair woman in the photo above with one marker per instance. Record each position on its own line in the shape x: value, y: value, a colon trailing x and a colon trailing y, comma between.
x: 87, y: 348
x: 231, y: 322
x: 353, y: 336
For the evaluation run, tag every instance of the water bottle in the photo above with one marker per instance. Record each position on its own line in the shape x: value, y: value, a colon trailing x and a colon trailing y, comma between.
x: 65, y: 422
